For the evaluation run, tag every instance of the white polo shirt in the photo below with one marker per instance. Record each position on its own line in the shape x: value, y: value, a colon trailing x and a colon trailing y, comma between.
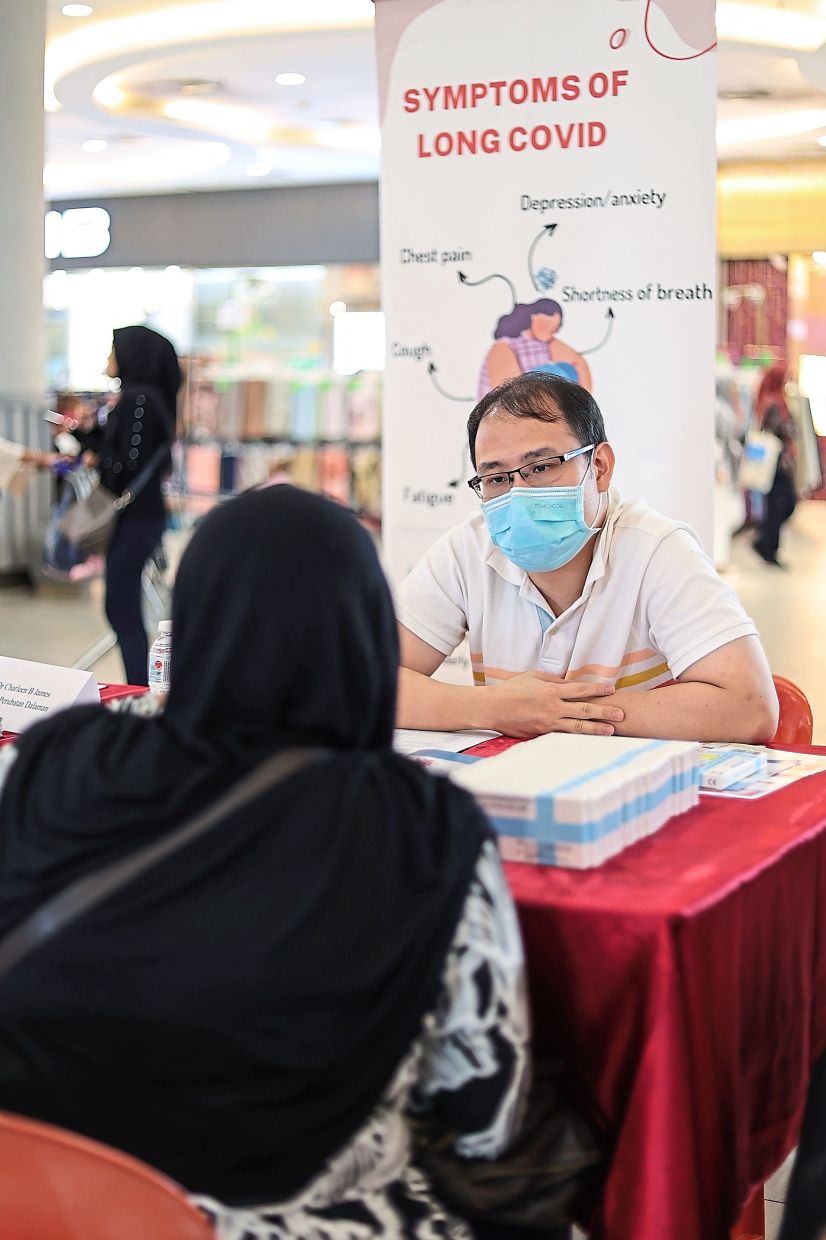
x: 652, y: 604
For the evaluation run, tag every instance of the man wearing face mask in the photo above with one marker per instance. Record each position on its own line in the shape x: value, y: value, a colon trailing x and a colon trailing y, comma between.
x: 573, y: 599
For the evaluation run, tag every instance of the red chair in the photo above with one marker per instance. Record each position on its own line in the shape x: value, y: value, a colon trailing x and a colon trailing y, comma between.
x: 794, y: 727
x: 752, y: 1222
x: 55, y: 1185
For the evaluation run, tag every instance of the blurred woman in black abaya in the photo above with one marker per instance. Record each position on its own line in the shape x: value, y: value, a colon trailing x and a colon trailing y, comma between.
x: 138, y: 428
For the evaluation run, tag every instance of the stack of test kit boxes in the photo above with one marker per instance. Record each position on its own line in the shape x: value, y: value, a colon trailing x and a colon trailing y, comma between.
x: 575, y: 801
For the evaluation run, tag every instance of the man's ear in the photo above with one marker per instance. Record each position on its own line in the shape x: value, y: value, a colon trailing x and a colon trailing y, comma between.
x: 604, y: 461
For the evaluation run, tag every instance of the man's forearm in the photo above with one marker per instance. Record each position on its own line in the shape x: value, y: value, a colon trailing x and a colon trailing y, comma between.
x: 693, y: 711
x: 427, y: 703
x: 526, y: 705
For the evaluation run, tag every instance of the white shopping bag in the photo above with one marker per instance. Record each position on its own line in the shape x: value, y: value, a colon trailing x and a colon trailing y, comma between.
x: 759, y: 462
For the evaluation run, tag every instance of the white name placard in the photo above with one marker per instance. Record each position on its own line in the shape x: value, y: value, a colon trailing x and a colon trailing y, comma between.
x: 31, y: 691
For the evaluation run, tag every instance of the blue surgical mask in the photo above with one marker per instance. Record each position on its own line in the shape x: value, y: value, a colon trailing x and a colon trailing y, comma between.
x: 539, y: 528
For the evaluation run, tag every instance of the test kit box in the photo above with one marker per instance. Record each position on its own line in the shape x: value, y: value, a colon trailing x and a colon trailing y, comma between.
x: 575, y: 801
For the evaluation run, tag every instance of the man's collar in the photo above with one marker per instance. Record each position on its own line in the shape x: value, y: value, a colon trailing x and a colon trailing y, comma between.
x: 506, y: 569
x: 602, y: 544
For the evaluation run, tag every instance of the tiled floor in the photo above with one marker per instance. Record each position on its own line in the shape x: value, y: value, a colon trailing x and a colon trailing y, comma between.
x: 775, y: 1196
x: 55, y: 626
x: 789, y: 608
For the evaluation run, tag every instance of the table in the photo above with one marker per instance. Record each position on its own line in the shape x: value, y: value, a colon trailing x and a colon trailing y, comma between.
x: 684, y: 982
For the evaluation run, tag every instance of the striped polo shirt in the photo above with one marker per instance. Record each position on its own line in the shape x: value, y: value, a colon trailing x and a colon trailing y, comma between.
x: 652, y: 605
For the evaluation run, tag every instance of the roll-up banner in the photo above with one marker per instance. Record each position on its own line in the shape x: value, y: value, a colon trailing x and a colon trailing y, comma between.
x: 547, y: 195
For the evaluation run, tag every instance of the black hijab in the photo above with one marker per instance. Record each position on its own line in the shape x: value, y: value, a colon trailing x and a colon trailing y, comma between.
x: 145, y: 358
x: 234, y: 1016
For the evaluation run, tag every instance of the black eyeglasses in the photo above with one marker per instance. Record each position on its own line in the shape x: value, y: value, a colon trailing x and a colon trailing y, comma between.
x: 537, y: 474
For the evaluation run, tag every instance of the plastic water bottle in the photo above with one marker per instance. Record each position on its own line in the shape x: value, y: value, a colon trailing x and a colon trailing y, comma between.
x: 159, y: 659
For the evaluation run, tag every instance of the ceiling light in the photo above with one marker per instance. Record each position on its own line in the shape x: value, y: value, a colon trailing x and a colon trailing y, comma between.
x: 92, y: 145
x: 169, y: 88
x: 773, y: 125
x: 337, y: 308
x: 108, y: 94
x: 208, y: 20
x: 77, y: 10
x: 290, y: 79
x: 770, y: 26
x: 242, y: 124
x: 819, y: 257
x: 200, y: 86
x: 258, y: 169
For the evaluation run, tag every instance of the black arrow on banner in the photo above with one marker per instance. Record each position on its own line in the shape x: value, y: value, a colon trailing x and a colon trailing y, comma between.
x: 547, y: 231
x: 495, y: 276
x: 455, y: 482
x: 431, y: 370
x: 610, y: 317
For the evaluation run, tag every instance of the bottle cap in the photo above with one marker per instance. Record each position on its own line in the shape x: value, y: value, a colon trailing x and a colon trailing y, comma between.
x: 165, y: 626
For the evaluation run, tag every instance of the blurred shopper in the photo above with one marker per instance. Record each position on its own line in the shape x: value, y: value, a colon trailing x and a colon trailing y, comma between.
x: 141, y: 422
x: 255, y: 1014
x: 15, y: 462
x: 77, y: 418
x: 772, y: 415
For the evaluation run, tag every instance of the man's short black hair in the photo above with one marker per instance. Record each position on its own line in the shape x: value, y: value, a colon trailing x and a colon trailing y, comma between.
x: 548, y: 398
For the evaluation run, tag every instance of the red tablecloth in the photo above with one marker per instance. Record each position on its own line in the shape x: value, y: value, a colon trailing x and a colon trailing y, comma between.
x: 685, y: 984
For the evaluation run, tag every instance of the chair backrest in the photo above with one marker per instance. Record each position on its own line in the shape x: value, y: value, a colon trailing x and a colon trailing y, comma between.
x: 794, y: 727
x: 55, y: 1185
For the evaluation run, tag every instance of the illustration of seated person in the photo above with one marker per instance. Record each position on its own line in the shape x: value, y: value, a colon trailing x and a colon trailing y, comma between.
x: 584, y: 612
x: 526, y: 340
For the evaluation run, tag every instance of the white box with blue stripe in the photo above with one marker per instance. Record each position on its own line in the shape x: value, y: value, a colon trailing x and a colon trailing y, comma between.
x: 575, y: 801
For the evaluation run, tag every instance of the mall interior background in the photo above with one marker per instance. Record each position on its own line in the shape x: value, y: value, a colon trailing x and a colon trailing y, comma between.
x: 220, y: 185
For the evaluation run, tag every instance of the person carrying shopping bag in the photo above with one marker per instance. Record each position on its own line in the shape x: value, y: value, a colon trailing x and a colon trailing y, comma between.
x: 141, y: 423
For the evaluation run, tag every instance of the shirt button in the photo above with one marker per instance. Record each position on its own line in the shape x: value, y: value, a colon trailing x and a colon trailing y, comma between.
x: 138, y: 415
x: 135, y: 441
x: 107, y: 461
x: 117, y: 467
x: 140, y: 400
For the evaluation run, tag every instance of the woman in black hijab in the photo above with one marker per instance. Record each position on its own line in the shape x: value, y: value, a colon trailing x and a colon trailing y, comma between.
x: 141, y: 422
x: 255, y: 1014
